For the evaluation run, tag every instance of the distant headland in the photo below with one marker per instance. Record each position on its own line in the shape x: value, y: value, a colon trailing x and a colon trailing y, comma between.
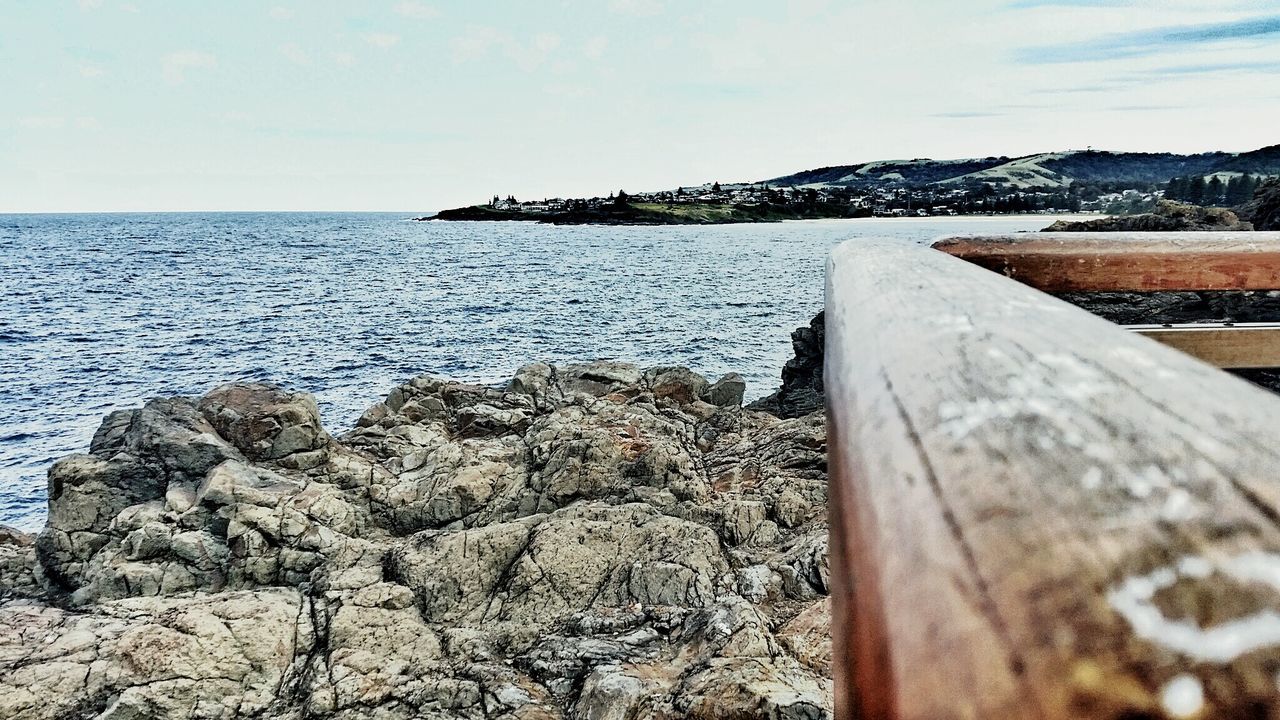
x: 1115, y: 183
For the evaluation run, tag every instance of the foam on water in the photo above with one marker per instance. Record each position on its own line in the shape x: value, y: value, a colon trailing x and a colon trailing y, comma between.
x: 101, y: 312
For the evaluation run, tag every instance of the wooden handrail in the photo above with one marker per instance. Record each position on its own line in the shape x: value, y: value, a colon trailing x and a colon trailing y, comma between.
x: 1066, y: 262
x: 1035, y: 514
x: 1236, y: 346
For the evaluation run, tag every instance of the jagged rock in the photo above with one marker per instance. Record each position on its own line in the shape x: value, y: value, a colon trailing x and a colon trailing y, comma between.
x: 591, y: 541
x: 802, y: 386
x: 17, y: 564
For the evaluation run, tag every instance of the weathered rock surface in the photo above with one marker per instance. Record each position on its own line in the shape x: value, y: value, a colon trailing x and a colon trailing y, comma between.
x: 802, y: 388
x: 591, y: 541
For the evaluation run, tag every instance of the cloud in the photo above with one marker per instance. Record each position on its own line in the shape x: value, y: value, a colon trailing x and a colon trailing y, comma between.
x: 416, y: 10
x: 382, y: 40
x: 478, y: 41
x: 280, y: 13
x: 595, y: 47
x: 345, y: 59
x: 1143, y: 108
x: 475, y: 43
x: 546, y: 42
x: 89, y: 70
x: 1151, y: 42
x: 89, y: 4
x: 295, y: 54
x: 1266, y: 66
x: 129, y: 8
x: 637, y: 8
x: 174, y: 66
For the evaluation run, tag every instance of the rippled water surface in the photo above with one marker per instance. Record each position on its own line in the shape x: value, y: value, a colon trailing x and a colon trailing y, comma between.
x: 100, y: 312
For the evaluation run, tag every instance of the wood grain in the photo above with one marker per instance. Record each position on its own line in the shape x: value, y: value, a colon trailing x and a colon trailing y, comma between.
x: 1068, y: 262
x: 1234, y: 346
x: 1036, y: 514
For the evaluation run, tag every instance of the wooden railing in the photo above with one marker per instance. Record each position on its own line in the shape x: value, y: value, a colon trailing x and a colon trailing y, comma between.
x: 1034, y: 513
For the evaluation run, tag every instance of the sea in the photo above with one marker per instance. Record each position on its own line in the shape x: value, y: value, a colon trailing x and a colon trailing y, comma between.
x: 99, y: 312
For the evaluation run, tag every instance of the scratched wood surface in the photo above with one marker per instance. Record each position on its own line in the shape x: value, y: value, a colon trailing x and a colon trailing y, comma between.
x: 1067, y: 262
x: 1036, y: 514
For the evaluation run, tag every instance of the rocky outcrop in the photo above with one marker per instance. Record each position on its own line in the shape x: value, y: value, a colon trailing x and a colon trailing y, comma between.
x: 590, y: 541
x: 802, y: 390
x: 1168, y: 216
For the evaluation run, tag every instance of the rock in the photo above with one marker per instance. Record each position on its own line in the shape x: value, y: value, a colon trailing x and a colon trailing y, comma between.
x: 727, y: 391
x: 591, y: 540
x: 807, y: 637
x: 679, y: 384
x: 263, y: 422
x: 802, y: 387
x: 17, y: 564
x: 1168, y: 216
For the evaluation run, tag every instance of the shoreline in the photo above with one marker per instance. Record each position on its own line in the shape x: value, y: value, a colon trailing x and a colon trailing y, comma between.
x: 1049, y: 217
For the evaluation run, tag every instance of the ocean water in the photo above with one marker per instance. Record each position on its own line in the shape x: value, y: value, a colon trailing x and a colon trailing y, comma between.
x: 101, y: 312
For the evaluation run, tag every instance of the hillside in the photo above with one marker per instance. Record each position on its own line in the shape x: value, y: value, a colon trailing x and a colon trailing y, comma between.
x: 1045, y: 171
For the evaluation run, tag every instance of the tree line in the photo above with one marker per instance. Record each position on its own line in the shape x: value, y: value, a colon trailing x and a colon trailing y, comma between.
x: 1212, y: 191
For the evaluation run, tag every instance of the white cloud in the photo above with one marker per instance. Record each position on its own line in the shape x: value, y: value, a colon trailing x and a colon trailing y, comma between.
x: 637, y: 8
x: 89, y: 70
x: 382, y: 40
x: 89, y: 4
x: 415, y: 9
x: 129, y: 8
x: 595, y: 47
x: 174, y: 66
x: 295, y: 54
x: 345, y: 59
x: 88, y: 122
x: 280, y: 13
x: 546, y: 42
x: 475, y: 43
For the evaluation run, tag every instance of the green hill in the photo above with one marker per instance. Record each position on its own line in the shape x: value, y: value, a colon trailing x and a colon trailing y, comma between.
x: 1045, y: 170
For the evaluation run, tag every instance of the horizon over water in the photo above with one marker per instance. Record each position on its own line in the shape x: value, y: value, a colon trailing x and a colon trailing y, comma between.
x: 101, y: 311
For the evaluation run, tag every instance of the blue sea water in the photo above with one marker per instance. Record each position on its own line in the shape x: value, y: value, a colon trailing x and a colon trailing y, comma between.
x: 100, y: 312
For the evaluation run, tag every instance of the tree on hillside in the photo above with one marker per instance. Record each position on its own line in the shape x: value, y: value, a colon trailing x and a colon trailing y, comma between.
x: 715, y: 187
x: 1264, y: 209
x: 1240, y: 190
x: 621, y: 198
x: 1214, y: 192
x: 1195, y: 191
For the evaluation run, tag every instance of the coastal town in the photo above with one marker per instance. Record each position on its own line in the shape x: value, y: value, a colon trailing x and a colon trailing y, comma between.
x: 1050, y: 183
x: 854, y: 202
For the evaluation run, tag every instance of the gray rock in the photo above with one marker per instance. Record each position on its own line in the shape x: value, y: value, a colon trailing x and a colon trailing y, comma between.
x: 727, y: 391
x: 591, y: 541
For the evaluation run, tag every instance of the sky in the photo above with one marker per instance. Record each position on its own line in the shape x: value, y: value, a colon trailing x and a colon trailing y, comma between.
x: 419, y: 105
